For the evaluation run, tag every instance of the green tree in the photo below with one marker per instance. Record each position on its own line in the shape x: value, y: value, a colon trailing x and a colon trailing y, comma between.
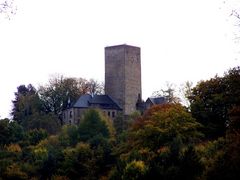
x: 69, y: 135
x: 226, y: 160
x: 36, y: 135
x: 212, y: 100
x: 97, y: 130
x: 119, y: 123
x: 26, y: 103
x: 10, y: 132
x: 44, y: 159
x: 122, y: 123
x: 161, y: 124
x: 79, y: 162
x: 48, y: 122
x: 95, y: 124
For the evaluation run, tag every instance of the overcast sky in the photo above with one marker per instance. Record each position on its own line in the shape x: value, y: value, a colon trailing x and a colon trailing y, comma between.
x: 180, y: 40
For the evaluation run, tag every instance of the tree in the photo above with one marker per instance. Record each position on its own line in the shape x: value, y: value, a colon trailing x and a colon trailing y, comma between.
x: 10, y: 132
x: 122, y: 123
x: 26, y: 103
x: 95, y: 124
x: 161, y: 124
x: 236, y: 14
x: 14, y: 172
x: 69, y: 135
x: 158, y: 138
x: 212, y: 100
x: 226, y: 164
x: 191, y: 165
x: 4, y: 132
x: 48, y: 122
x: 135, y: 170
x: 28, y: 111
x: 97, y: 130
x: 169, y: 93
x: 36, y: 135
x: 79, y: 162
x: 95, y: 87
x: 186, y: 92
x: 62, y: 91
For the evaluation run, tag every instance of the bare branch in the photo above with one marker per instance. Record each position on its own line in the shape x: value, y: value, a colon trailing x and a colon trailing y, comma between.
x: 235, y: 13
x: 8, y: 8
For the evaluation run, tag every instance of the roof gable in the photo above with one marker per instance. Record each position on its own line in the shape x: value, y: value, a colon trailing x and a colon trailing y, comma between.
x: 83, y: 101
x: 101, y: 101
x: 105, y: 102
x: 158, y: 100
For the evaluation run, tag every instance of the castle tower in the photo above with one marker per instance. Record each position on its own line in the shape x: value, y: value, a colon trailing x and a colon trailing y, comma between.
x: 123, y: 76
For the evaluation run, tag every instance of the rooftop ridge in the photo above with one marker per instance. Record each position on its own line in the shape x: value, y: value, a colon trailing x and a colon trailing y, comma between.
x: 121, y: 45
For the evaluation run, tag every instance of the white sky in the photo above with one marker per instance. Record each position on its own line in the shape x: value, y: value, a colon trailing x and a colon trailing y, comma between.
x: 180, y: 40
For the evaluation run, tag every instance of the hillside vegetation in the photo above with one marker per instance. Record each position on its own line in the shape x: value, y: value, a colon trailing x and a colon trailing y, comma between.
x: 168, y: 141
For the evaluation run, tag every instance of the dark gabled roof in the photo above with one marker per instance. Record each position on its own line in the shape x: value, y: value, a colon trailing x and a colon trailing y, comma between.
x: 105, y: 102
x: 158, y: 100
x: 101, y: 101
x: 83, y: 101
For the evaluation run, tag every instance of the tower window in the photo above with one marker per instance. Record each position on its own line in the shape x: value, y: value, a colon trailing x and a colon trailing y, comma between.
x: 109, y: 113
x: 113, y: 114
x: 70, y: 115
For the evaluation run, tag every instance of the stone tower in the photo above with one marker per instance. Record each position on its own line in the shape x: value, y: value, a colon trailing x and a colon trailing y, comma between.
x: 123, y: 76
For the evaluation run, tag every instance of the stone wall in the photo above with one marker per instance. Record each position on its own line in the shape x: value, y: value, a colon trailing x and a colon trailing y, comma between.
x: 132, y: 78
x: 123, y: 75
x: 114, y: 73
x: 75, y: 115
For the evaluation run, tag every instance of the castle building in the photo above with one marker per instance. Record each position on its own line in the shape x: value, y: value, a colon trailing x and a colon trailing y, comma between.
x: 75, y: 112
x: 123, y: 88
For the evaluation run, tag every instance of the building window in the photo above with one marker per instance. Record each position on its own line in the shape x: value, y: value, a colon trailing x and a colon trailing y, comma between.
x: 113, y: 114
x: 70, y: 115
x: 109, y: 113
x: 70, y: 122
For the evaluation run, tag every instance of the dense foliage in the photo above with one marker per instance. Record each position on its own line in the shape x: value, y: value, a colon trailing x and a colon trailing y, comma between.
x: 166, y: 142
x: 71, y: 153
x: 212, y: 100
x: 160, y: 145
